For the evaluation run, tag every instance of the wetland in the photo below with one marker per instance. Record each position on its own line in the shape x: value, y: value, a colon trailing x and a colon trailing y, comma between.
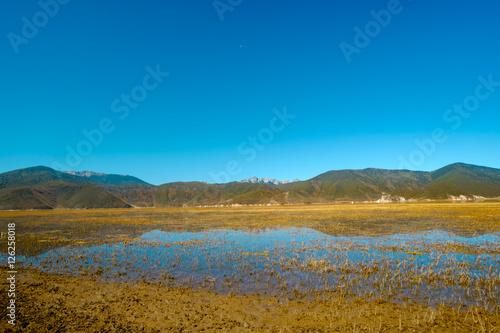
x: 392, y: 267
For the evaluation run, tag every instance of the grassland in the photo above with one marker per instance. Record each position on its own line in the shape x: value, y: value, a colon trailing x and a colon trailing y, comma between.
x: 50, y: 302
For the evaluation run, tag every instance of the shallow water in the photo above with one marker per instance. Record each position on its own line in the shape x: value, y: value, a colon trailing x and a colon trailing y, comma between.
x: 432, y: 267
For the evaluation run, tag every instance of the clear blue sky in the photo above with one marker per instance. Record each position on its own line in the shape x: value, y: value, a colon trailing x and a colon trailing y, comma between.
x: 227, y: 76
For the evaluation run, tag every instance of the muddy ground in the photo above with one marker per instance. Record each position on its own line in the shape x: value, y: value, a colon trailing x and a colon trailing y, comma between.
x: 51, y: 303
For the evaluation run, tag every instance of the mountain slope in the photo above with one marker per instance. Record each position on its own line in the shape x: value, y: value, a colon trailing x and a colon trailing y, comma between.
x: 23, y: 198
x: 198, y: 193
x: 128, y: 188
x: 138, y: 195
x: 461, y: 179
x: 366, y: 184
x: 57, y: 194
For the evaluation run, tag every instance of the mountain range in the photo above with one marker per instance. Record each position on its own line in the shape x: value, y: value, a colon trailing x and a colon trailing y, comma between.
x: 45, y: 188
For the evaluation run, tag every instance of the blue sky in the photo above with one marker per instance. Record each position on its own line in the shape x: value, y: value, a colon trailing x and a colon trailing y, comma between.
x: 228, y: 80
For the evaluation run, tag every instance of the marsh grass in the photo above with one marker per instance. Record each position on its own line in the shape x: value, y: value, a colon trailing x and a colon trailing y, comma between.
x: 420, y: 268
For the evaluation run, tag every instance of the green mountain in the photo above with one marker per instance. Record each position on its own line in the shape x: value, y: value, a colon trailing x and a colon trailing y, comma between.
x: 44, y: 188
x: 459, y: 179
x: 198, y: 193
x: 128, y: 188
x: 35, y: 176
x: 358, y: 185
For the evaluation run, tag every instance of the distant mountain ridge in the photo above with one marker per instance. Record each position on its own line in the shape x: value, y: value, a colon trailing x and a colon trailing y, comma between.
x: 268, y: 181
x: 109, y: 179
x: 45, y: 188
